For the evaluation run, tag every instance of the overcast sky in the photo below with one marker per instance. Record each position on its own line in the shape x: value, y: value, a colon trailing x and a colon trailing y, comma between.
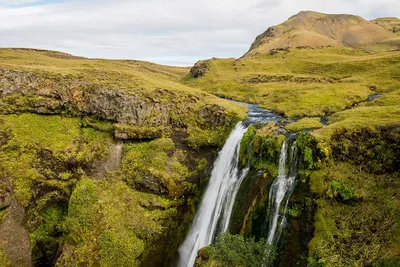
x: 175, y: 32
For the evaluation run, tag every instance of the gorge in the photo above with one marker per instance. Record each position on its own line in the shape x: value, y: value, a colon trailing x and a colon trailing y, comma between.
x: 283, y: 157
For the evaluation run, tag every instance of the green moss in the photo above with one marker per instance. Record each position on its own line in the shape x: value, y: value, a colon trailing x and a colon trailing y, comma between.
x: 310, y: 151
x: 156, y: 162
x: 246, y: 145
x: 81, y: 224
x: 109, y: 222
x: 214, y: 137
x: 47, y: 151
x: 123, y: 131
x: 304, y: 123
x: 98, y: 124
x: 120, y: 248
x: 55, y: 133
x: 48, y: 237
x: 4, y: 261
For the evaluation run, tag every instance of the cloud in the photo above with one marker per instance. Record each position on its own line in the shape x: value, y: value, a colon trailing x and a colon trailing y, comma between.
x: 164, y: 31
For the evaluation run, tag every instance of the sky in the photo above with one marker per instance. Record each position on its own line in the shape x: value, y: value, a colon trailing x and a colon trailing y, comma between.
x: 173, y: 32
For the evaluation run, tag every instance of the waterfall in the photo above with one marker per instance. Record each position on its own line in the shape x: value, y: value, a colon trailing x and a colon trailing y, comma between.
x: 280, y: 192
x: 214, y: 212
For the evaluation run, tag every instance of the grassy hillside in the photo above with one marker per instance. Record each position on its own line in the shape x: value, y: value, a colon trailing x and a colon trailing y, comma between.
x: 121, y: 75
x: 346, y: 203
x: 302, y: 82
x: 313, y: 29
x: 390, y: 23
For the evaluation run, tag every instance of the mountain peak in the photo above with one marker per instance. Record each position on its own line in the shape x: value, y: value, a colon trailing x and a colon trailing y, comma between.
x: 314, y: 29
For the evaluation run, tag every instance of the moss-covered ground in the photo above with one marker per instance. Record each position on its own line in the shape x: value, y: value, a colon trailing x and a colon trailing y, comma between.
x: 75, y: 218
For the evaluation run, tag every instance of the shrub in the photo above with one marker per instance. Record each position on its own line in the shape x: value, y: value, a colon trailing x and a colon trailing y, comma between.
x: 343, y: 189
x: 234, y: 250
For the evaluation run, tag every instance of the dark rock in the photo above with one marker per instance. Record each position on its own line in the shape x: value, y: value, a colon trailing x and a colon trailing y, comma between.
x: 199, y: 69
x: 5, y: 200
x: 5, y: 194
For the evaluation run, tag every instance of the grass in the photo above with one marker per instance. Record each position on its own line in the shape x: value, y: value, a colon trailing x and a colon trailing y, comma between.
x: 311, y: 82
x: 356, y: 222
x: 140, y: 77
x: 304, y: 123
x: 358, y: 118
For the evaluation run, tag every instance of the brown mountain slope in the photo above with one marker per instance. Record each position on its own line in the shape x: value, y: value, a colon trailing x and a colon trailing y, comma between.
x: 390, y: 23
x: 314, y: 29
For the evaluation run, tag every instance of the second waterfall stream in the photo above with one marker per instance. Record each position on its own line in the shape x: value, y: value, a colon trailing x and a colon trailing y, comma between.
x: 214, y: 212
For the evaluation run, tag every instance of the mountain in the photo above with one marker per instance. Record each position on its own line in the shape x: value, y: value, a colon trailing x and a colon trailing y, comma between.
x: 313, y: 29
x: 390, y: 23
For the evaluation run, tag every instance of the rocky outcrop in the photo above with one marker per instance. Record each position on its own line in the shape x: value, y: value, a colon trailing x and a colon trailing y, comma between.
x: 199, y: 69
x: 32, y: 92
x: 5, y: 193
x: 259, y: 78
x: 14, y: 237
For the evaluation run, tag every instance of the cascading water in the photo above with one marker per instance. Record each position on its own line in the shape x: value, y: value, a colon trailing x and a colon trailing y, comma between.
x: 216, y: 206
x: 280, y: 192
x: 214, y: 212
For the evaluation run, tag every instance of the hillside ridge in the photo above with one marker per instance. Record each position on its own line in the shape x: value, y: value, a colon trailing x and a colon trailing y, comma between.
x: 314, y: 29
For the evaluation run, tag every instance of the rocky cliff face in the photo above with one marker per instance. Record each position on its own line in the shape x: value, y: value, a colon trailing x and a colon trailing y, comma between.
x: 28, y: 92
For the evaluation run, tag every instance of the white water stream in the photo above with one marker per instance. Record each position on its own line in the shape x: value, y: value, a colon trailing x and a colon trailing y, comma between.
x: 280, y: 192
x: 214, y: 212
x: 212, y: 217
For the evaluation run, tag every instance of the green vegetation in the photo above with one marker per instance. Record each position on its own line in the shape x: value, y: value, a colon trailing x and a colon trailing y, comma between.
x: 47, y: 151
x: 343, y: 190
x: 78, y: 215
x: 309, y: 150
x: 156, y: 166
x: 109, y: 223
x: 47, y: 238
x: 4, y: 261
x: 303, y: 82
x: 234, y: 250
x: 138, y: 133
x: 356, y: 217
x: 262, y: 147
x: 356, y: 119
x: 209, y: 131
x: 304, y: 124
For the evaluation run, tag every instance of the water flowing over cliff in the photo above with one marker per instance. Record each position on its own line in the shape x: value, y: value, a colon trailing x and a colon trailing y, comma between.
x: 214, y: 212
x: 217, y: 200
x: 281, y: 190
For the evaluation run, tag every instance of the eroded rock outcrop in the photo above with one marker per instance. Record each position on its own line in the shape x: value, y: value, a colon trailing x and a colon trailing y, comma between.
x: 163, y: 109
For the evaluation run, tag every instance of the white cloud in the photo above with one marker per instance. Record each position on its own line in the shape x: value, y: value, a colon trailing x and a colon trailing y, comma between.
x: 164, y: 31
